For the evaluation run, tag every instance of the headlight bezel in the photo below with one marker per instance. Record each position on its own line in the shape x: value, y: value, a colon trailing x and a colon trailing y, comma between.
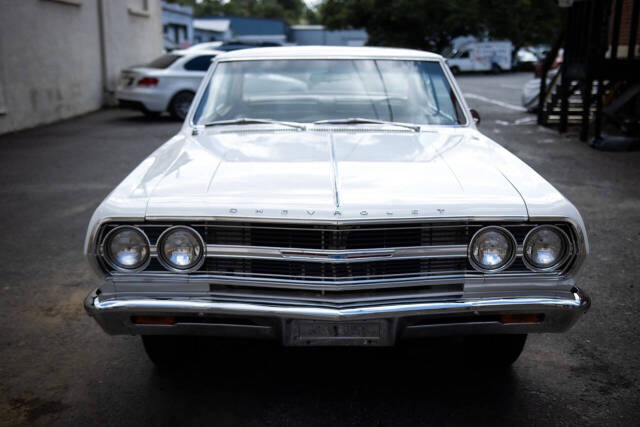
x: 510, y: 259
x: 568, y: 249
x: 161, y: 256
x: 108, y: 256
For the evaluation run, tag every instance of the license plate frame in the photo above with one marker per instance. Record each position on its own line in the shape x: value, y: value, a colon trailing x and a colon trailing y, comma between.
x: 362, y: 333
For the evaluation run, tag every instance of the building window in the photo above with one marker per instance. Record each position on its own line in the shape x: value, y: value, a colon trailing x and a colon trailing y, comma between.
x: 139, y: 8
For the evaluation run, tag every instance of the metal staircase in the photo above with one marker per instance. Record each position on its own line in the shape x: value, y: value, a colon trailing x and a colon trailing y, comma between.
x: 552, y: 105
x: 595, y: 86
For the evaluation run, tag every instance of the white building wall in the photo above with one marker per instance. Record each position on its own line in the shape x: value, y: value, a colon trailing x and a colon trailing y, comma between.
x: 133, y: 36
x: 51, y: 61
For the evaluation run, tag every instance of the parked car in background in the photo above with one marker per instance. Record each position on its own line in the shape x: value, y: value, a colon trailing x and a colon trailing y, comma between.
x: 229, y: 46
x: 204, y: 45
x: 167, y: 83
x: 540, y: 50
x: 555, y: 65
x: 334, y: 196
x: 526, y: 59
x: 481, y: 56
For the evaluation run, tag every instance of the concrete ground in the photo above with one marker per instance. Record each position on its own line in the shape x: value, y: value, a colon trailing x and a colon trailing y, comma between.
x: 58, y: 367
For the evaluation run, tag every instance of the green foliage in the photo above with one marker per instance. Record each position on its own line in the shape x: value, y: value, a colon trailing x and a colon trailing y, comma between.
x: 292, y: 11
x: 524, y: 21
x: 431, y: 24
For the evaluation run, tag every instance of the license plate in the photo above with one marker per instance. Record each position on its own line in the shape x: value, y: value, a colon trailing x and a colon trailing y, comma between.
x: 321, y: 333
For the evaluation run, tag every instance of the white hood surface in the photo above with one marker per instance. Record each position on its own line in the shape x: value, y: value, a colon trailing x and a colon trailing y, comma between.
x: 358, y: 174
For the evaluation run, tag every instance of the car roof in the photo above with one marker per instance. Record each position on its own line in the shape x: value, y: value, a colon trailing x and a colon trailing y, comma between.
x: 326, y: 52
x: 200, y: 51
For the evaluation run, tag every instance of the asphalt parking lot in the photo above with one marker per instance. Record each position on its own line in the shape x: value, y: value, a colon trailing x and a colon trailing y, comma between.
x: 58, y: 367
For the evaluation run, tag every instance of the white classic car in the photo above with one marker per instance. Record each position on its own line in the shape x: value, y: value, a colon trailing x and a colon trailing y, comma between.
x: 334, y: 196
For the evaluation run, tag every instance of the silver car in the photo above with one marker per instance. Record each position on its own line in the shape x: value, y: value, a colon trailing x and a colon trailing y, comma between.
x: 167, y: 83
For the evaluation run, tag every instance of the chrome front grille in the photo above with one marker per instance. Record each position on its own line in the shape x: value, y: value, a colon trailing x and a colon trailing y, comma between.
x: 339, y: 255
x: 328, y: 272
x: 337, y: 237
x: 335, y: 298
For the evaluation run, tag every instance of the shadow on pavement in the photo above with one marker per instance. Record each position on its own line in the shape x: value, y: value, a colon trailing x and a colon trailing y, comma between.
x: 266, y: 384
x: 138, y: 117
x: 437, y: 362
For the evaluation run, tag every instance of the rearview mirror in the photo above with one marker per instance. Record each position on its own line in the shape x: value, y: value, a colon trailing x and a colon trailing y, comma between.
x: 475, y: 115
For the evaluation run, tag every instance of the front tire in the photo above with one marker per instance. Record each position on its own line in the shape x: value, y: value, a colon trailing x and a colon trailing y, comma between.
x: 179, y: 106
x: 494, y: 350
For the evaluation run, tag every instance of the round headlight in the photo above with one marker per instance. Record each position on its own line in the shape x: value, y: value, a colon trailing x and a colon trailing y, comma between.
x: 181, y: 249
x: 545, y: 248
x: 126, y: 248
x: 492, y: 249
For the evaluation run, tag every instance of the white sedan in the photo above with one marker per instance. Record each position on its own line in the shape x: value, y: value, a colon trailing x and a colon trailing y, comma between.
x: 167, y: 83
x: 334, y: 196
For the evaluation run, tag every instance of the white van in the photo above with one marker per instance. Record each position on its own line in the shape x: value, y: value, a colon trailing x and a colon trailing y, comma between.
x: 481, y: 56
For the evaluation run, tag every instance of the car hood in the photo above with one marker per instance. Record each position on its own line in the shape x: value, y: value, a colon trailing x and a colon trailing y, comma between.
x: 330, y: 175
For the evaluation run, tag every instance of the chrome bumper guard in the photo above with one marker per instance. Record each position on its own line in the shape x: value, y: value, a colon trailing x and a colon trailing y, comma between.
x: 465, y: 316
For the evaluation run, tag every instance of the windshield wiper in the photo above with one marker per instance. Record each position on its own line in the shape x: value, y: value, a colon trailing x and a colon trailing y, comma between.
x: 247, y: 121
x: 356, y: 120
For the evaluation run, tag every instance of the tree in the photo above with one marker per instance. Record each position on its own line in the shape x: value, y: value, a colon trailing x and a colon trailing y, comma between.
x: 431, y: 24
x: 291, y: 11
x: 523, y: 22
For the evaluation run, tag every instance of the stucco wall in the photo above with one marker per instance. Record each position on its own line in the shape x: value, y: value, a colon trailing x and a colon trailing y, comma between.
x: 51, y: 64
x: 133, y: 35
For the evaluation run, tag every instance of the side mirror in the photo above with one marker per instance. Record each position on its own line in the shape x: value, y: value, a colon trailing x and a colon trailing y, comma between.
x: 475, y: 115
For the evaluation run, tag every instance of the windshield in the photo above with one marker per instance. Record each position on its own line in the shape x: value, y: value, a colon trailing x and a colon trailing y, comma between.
x: 305, y: 91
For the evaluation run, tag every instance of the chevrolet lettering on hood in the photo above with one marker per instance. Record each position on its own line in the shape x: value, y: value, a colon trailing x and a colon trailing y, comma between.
x: 334, y: 197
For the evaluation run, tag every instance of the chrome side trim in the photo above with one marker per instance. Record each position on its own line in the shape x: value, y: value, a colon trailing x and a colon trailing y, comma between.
x: 336, y: 256
x: 348, y: 221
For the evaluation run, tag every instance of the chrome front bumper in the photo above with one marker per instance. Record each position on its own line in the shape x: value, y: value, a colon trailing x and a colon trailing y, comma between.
x: 558, y: 312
